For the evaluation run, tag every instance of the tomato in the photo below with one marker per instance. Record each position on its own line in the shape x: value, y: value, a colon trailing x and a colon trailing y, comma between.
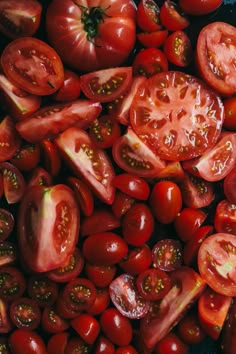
x: 51, y: 120
x: 20, y: 18
x: 187, y: 285
x: 153, y: 284
x: 83, y: 195
x: 25, y: 313
x: 12, y: 283
x: 162, y: 114
x: 42, y: 290
x: 165, y: 201
x: 178, y: 49
x: 197, y: 7
x: 76, y: 345
x: 69, y: 270
x: 87, y: 327
x: 10, y: 140
x: 225, y: 217
x: 104, y: 346
x: 104, y: 131
x: 18, y: 103
x: 216, y: 44
x: 228, y: 332
x: 132, y: 185
x: 172, y: 171
x: 102, y: 34
x: 51, y: 322
x: 33, y: 66
x: 106, y: 85
x: 148, y: 16
x: 92, y: 223
x: 212, y: 311
x: 137, y: 260
x: 101, y: 276
x: 70, y: 89
x: 167, y: 254
x: 189, y: 328
x: 27, y: 157
x: 216, y: 261
x: 152, y: 39
x: 7, y: 222
x: 171, y: 344
x: 4, y: 345
x: 150, y: 61
x: 230, y: 113
x: 39, y: 177
x: 172, y: 17
x: 50, y: 157
x: 13, y: 182
x: 88, y: 161
x: 188, y: 221
x: 101, y: 303
x: 228, y: 186
x: 23, y: 341
x: 104, y: 249
x: 8, y: 253
x: 64, y: 310
x: 5, y: 322
x: 46, y: 243
x: 116, y: 327
x: 57, y: 343
x: 128, y: 349
x: 135, y: 157
x: 125, y: 296
x: 122, y: 203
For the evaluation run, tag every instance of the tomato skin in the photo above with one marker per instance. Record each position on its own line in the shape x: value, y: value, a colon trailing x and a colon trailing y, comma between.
x: 132, y: 185
x: 137, y: 260
x: 50, y: 157
x: 22, y: 341
x: 148, y: 16
x: 10, y: 139
x: 230, y: 113
x: 101, y: 44
x: 198, y: 8
x: 83, y: 195
x: 57, y: 343
x: 172, y: 17
x: 178, y: 49
x: 225, y: 217
x: 101, y: 276
x: 128, y: 349
x: 6, y: 324
x: 171, y: 344
x: 165, y: 201
x: 101, y: 303
x: 150, y: 61
x: 187, y: 222
x: 70, y: 89
x: 87, y: 327
x: 189, y: 329
x: 92, y: 223
x: 104, y: 346
x: 121, y: 204
x: 76, y: 345
x: 152, y: 39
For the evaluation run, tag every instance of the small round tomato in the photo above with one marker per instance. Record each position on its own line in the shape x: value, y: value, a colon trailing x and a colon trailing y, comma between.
x: 39, y: 177
x: 87, y: 327
x: 23, y: 341
x: 152, y: 39
x: 70, y: 89
x: 104, y: 131
x: 134, y: 186
x: 178, y: 49
x: 101, y: 303
x: 7, y: 222
x: 116, y: 327
x: 188, y: 221
x: 127, y: 349
x: 83, y: 194
x: 57, y: 343
x: 149, y: 62
x: 10, y: 140
x: 13, y: 182
x: 137, y: 260
x: 230, y: 113
x: 167, y: 254
x: 165, y: 201
x: 92, y: 224
x: 50, y: 157
x: 104, y: 346
x: 148, y: 16
x: 12, y: 283
x: 8, y: 253
x: 27, y: 157
x: 101, y: 276
x: 52, y: 322
x: 197, y: 7
x: 189, y: 329
x: 33, y: 66
x: 25, y: 313
x: 42, y: 290
x: 225, y: 217
x: 122, y: 203
x: 228, y: 186
x: 171, y: 344
x: 172, y: 17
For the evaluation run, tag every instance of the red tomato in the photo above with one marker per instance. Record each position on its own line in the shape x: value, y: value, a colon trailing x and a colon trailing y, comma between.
x: 5, y: 322
x: 101, y: 35
x: 137, y: 224
x: 132, y: 185
x: 101, y: 276
x: 228, y: 334
x: 187, y: 286
x: 33, y: 66
x: 7, y: 222
x: 197, y: 7
x: 27, y: 157
x: 149, y: 62
x: 83, y: 195
x: 76, y: 345
x: 116, y: 327
x: 125, y: 296
x: 50, y: 157
x: 20, y: 18
x: 172, y: 17
x: 122, y: 203
x: 92, y: 223
x: 127, y: 349
x: 228, y: 186
x: 88, y: 161
x: 230, y: 113
x: 148, y: 16
x: 8, y: 253
x: 178, y: 49
x: 51, y: 120
x: 167, y: 254
x: 101, y: 303
x: 25, y: 313
x: 172, y: 171
x: 104, y: 346
x: 171, y: 344
x: 22, y: 341
x: 214, y: 39
x: 70, y: 89
x: 135, y: 157
x: 87, y: 327
x: 216, y: 262
x: 106, y: 85
x: 51, y: 322
x: 10, y: 140
x: 152, y: 39
x: 13, y: 182
x: 57, y: 343
x: 46, y: 243
x: 225, y: 217
x: 189, y: 329
x: 42, y: 290
x: 39, y: 177
x: 104, y: 249
x: 162, y: 113
x: 104, y: 131
x: 137, y: 260
x: 165, y: 201
x: 212, y: 311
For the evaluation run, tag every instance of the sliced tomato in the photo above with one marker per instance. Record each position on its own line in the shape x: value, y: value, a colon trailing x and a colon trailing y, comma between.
x: 25, y: 313
x: 137, y: 260
x: 162, y: 115
x: 198, y: 8
x: 167, y: 254
x: 172, y: 17
x: 48, y: 226
x: 104, y: 131
x: 106, y: 85
x: 152, y: 39
x: 216, y: 44
x: 229, y: 186
x: 7, y: 222
x: 122, y: 203
x: 33, y: 66
x: 91, y: 224
x: 9, y: 138
x: 27, y: 157
x: 50, y: 157
x: 149, y: 62
x: 51, y: 120
x: 8, y: 253
x: 12, y: 283
x: 216, y: 262
x: 51, y: 322
x: 178, y: 49
x: 148, y: 16
x: 133, y: 156
x: 42, y: 290
x: 88, y: 162
x: 70, y: 89
x: 13, y: 182
x: 225, y: 217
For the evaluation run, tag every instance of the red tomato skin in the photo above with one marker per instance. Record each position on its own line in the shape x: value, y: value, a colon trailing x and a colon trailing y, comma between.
x: 101, y: 303
x: 172, y: 17
x: 198, y: 8
x: 87, y: 326
x: 148, y: 16
x: 121, y: 204
x: 70, y: 89
x: 91, y: 224
x: 225, y: 217
x: 132, y: 185
x: 57, y: 343
x: 27, y: 157
x: 228, y: 186
x: 50, y: 157
x: 149, y: 61
x: 10, y: 139
x: 171, y: 344
x: 137, y: 260
x: 189, y: 329
x: 128, y: 349
x: 83, y: 195
x: 22, y: 341
x: 104, y: 346
x: 178, y: 49
x: 101, y: 276
x: 152, y: 39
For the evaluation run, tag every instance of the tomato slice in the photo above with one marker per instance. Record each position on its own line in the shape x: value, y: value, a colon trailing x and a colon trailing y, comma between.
x: 25, y: 313
x: 216, y: 44
x: 216, y: 262
x: 13, y: 182
x: 52, y: 323
x: 178, y: 49
x: 8, y: 253
x: 12, y: 284
x: 43, y: 290
x: 152, y: 39
x: 176, y: 115
x: 9, y: 138
x: 106, y: 85
x: 104, y: 131
x: 148, y: 16
x: 7, y: 222
x: 225, y: 217
x: 33, y: 65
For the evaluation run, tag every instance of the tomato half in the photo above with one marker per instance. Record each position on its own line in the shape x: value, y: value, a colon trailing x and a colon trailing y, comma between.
x: 172, y: 17
x: 7, y: 222
x: 14, y: 184
x: 178, y: 49
x: 25, y: 313
x: 176, y: 115
x: 150, y: 61
x: 148, y: 16
x: 167, y: 254
x: 10, y: 139
x: 225, y: 217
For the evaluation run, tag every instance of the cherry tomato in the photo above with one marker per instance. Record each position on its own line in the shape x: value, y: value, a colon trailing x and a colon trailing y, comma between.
x: 150, y: 61
x: 137, y: 260
x: 91, y: 224
x: 12, y: 283
x: 25, y: 313
x: 171, y: 344
x: 42, y: 290
x: 7, y: 222
x: 70, y: 89
x: 13, y: 182
x: 52, y: 322
x: 101, y: 276
x: 57, y: 343
x: 76, y: 345
x: 104, y: 131
x: 122, y: 203
x: 22, y: 341
x: 27, y: 157
x: 197, y: 7
x: 104, y: 346
x: 152, y: 39
x: 148, y: 16
x: 128, y: 349
x: 167, y: 254
x: 132, y: 185
x: 189, y: 329
x: 178, y: 49
x: 83, y: 195
x: 87, y: 327
x: 8, y: 253
x: 101, y: 303
x: 230, y: 113
x: 172, y: 17
x: 228, y: 186
x: 225, y: 217
x: 10, y: 140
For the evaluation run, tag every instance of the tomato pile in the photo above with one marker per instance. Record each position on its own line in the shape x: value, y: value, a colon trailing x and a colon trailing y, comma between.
x: 117, y: 176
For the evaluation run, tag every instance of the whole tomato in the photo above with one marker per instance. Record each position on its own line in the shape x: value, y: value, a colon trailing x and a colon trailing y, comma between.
x: 22, y: 341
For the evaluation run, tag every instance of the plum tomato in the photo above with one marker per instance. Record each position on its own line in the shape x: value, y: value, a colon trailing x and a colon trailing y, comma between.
x: 25, y: 313
x: 48, y: 226
x: 22, y: 341
x: 148, y: 16
x: 172, y: 17
x: 7, y: 222
x: 127, y: 349
x: 134, y: 186
x: 171, y: 112
x: 12, y: 283
x: 230, y: 113
x: 225, y: 217
x: 198, y: 8
x: 101, y: 303
x: 87, y: 327
x: 121, y: 204
x: 42, y: 290
x: 9, y: 137
x: 149, y: 61
x: 104, y: 131
x: 92, y: 224
x: 137, y: 260
x: 104, y: 346
x: 70, y: 89
x: 216, y: 44
x: 189, y: 328
x: 171, y: 344
x: 178, y: 49
x: 165, y: 201
x: 216, y: 262
x: 167, y: 254
x: 228, y: 186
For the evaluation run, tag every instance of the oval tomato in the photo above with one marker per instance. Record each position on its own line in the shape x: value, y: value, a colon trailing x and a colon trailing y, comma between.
x: 92, y: 224
x: 137, y: 260
x: 189, y: 328
x: 101, y: 35
x: 23, y: 341
x: 152, y: 39
x: 33, y: 66
x: 48, y: 226
x: 57, y: 343
x: 9, y: 138
x: 87, y: 327
x: 171, y: 344
x: 177, y: 115
x: 197, y: 7
x: 25, y: 313
x: 134, y: 186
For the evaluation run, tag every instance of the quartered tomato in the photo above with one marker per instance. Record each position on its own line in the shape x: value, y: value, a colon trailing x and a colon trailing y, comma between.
x: 148, y: 16
x: 33, y: 66
x: 172, y: 17
x: 176, y: 115
x: 10, y: 140
x: 27, y: 157
x: 149, y: 62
